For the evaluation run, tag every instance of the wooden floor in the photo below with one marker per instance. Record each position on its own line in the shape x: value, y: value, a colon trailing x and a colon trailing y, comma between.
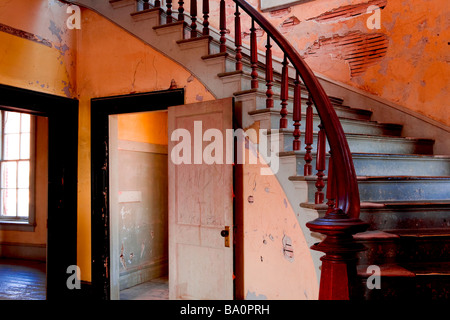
x: 156, y: 289
x: 22, y: 280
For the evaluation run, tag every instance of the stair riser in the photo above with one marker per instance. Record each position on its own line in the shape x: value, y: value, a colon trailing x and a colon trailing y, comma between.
x: 404, y: 250
x: 272, y: 120
x: 382, y: 191
x: 367, y: 144
x: 404, y: 219
x: 341, y: 111
x: 387, y: 166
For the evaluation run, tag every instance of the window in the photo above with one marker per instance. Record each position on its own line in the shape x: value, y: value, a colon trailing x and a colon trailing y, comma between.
x: 16, y: 168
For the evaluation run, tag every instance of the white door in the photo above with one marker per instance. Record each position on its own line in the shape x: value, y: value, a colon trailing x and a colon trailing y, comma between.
x: 200, y: 202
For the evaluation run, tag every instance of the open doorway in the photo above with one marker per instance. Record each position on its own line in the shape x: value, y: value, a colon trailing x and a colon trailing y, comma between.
x: 139, y: 205
x: 34, y: 209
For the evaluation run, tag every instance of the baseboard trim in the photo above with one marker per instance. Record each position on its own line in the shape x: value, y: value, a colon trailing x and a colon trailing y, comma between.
x: 28, y: 251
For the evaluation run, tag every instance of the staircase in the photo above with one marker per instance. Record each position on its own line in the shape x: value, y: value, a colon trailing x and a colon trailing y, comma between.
x: 404, y: 188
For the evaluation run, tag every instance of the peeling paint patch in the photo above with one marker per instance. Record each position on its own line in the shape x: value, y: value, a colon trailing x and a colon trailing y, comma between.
x: 25, y: 35
x: 288, y: 249
x: 348, y: 12
x: 253, y: 296
x: 280, y: 13
x: 57, y: 32
x: 289, y: 24
x: 199, y: 98
x: 360, y: 50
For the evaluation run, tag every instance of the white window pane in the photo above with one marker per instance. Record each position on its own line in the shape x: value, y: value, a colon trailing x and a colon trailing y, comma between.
x: 23, y: 203
x: 12, y: 122
x: 9, y: 174
x: 8, y: 202
x: 26, y: 123
x: 23, y: 178
x: 25, y: 146
x: 11, y: 148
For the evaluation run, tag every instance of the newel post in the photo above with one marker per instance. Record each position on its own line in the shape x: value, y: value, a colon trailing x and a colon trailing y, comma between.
x: 338, y: 274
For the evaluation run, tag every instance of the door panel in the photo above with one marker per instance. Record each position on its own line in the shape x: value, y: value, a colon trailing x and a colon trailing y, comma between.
x: 200, y: 206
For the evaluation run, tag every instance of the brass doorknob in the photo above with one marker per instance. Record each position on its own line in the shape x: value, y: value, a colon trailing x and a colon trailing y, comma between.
x: 224, y: 233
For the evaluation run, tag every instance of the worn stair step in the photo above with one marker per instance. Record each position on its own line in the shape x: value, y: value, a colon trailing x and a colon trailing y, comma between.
x: 389, y: 188
x: 271, y: 118
x: 361, y: 143
x: 402, y: 246
x: 400, y: 215
x: 373, y: 164
x: 258, y: 99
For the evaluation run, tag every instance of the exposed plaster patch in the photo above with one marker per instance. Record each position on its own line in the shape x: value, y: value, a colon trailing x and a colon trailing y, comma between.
x: 289, y: 24
x: 253, y: 296
x: 360, y: 50
x: 25, y: 35
x: 348, y: 12
x: 280, y: 13
x: 55, y: 30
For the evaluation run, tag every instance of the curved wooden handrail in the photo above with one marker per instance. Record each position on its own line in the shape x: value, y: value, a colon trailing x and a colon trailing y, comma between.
x: 347, y: 199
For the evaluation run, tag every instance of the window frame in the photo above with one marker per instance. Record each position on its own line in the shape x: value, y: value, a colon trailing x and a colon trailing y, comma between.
x: 17, y: 223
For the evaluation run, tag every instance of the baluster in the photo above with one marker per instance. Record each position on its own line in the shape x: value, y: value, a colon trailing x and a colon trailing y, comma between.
x: 194, y: 18
x: 320, y: 164
x: 238, y: 39
x: 169, y: 18
x: 284, y: 95
x: 269, y: 74
x: 206, y: 17
x: 307, y: 171
x: 331, y: 186
x: 157, y: 3
x: 297, y: 115
x: 254, y: 55
x: 223, y: 26
x: 181, y: 10
x: 146, y: 4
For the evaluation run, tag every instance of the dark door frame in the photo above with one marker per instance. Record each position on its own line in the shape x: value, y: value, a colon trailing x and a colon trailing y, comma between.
x: 62, y: 116
x: 101, y: 109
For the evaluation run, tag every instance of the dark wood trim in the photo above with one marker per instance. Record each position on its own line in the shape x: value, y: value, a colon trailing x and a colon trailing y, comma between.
x: 101, y: 108
x: 62, y: 179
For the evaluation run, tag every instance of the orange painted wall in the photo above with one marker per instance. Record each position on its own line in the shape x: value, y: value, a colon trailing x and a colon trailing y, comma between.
x: 414, y: 71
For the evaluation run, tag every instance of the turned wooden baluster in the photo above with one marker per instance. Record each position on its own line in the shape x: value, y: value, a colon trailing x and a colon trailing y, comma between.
x: 169, y: 18
x: 193, y: 18
x: 181, y: 10
x: 269, y: 74
x: 307, y: 171
x: 254, y: 55
x: 206, y: 17
x: 284, y: 95
x: 331, y: 187
x: 146, y: 4
x: 238, y: 39
x: 223, y: 26
x: 157, y: 3
x: 297, y: 115
x: 320, y: 164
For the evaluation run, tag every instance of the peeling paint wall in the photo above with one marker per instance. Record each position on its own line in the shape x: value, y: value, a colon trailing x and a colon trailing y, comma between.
x: 37, y: 50
x: 142, y: 199
x: 408, y: 63
x: 277, y: 261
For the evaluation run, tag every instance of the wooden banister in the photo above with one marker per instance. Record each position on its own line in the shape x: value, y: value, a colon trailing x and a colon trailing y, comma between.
x: 340, y: 223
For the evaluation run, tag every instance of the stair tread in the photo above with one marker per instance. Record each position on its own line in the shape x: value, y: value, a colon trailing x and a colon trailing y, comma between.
x: 386, y: 204
x: 375, y: 178
x: 375, y: 155
x: 429, y: 268
x: 421, y: 233
x: 371, y: 136
x: 386, y: 270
